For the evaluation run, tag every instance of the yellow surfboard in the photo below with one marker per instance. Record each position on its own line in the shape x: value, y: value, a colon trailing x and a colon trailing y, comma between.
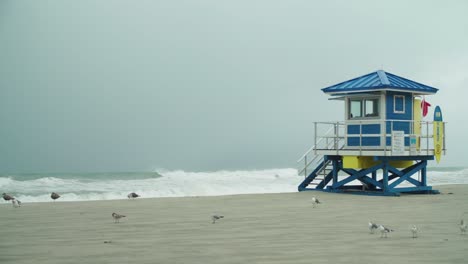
x: 438, y: 134
x: 417, y: 114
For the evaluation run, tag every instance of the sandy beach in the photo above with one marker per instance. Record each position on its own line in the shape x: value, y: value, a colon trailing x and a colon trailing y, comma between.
x: 258, y: 228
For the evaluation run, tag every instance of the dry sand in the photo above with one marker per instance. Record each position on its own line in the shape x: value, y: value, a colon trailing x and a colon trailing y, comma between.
x: 260, y: 228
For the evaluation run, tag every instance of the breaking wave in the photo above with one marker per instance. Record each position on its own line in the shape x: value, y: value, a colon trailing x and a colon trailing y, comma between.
x: 177, y: 183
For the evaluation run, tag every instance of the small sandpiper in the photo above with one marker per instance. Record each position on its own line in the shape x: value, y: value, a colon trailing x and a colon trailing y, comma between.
x: 462, y: 227
x: 372, y: 227
x: 54, y: 196
x: 315, y: 201
x: 216, y: 217
x: 16, y: 203
x: 384, y: 231
x: 132, y: 195
x: 117, y: 217
x: 414, y: 231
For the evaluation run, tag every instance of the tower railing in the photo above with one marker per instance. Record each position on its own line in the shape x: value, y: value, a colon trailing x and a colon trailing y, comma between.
x: 332, y: 138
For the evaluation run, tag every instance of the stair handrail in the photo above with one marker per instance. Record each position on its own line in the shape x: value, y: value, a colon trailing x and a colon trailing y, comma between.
x: 341, y: 146
x: 318, y: 142
x: 335, y: 144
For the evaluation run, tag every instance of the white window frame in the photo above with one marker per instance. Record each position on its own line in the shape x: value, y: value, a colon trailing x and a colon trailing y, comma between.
x: 394, y: 104
x: 363, y: 108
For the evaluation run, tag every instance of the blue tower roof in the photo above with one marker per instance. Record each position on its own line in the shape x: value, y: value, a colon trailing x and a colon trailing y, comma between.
x: 379, y: 81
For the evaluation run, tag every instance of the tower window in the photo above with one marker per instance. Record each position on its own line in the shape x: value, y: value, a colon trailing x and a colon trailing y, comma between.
x: 371, y: 107
x: 399, y: 104
x: 362, y: 108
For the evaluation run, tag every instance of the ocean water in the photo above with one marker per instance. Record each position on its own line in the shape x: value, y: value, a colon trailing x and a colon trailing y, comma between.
x: 178, y: 183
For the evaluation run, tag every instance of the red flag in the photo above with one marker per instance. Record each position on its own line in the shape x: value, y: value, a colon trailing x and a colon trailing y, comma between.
x: 425, y: 106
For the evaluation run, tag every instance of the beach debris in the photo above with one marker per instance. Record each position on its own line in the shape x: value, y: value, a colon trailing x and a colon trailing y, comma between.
x: 16, y: 203
x: 216, y: 217
x: 54, y: 196
x: 132, y: 195
x: 7, y: 197
x: 462, y: 227
x: 372, y: 227
x: 117, y: 217
x: 315, y: 201
x: 384, y: 231
x: 414, y: 231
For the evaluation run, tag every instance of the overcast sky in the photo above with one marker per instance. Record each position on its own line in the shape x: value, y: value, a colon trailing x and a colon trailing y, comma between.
x: 208, y: 85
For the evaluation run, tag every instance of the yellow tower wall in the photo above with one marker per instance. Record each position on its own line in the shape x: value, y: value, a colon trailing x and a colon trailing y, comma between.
x: 417, y: 115
x: 364, y: 162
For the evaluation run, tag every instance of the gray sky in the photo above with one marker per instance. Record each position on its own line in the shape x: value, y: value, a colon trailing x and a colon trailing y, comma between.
x: 208, y: 85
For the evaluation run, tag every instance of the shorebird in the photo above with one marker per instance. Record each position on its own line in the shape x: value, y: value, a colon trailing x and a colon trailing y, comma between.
x: 16, y: 203
x: 414, y: 231
x: 372, y: 227
x: 117, y: 217
x: 463, y: 227
x: 384, y: 231
x: 132, y: 195
x: 315, y: 201
x: 216, y: 217
x: 7, y: 197
x: 54, y: 196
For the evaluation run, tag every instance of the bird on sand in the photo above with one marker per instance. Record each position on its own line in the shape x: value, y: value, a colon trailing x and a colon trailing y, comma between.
x: 462, y: 227
x: 414, y: 231
x: 384, y: 231
x: 16, y: 203
x: 117, y: 217
x: 7, y: 197
x: 132, y: 195
x: 216, y: 217
x: 54, y: 196
x: 315, y: 201
x: 372, y: 227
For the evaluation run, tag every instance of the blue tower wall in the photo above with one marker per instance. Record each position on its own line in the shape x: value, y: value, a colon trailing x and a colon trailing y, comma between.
x: 398, y: 106
x: 397, y: 109
x: 391, y: 106
x: 366, y: 140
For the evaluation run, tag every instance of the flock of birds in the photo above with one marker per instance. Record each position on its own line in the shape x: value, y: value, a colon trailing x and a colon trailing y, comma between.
x: 17, y: 203
x: 384, y: 231
x: 54, y: 196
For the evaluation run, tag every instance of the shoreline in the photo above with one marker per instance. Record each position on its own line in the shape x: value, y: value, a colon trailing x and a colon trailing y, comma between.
x: 257, y: 228
x: 214, y: 195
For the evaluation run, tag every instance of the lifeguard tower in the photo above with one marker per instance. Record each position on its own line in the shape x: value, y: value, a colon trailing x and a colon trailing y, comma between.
x: 382, y: 147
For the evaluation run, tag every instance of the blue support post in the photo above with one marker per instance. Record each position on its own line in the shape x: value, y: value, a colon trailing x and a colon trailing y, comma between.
x: 374, y: 178
x: 423, y: 173
x: 336, y: 168
x: 385, y: 176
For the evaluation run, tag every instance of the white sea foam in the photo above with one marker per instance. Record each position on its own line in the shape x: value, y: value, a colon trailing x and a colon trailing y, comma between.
x: 447, y: 176
x: 174, y: 184
x: 171, y: 184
